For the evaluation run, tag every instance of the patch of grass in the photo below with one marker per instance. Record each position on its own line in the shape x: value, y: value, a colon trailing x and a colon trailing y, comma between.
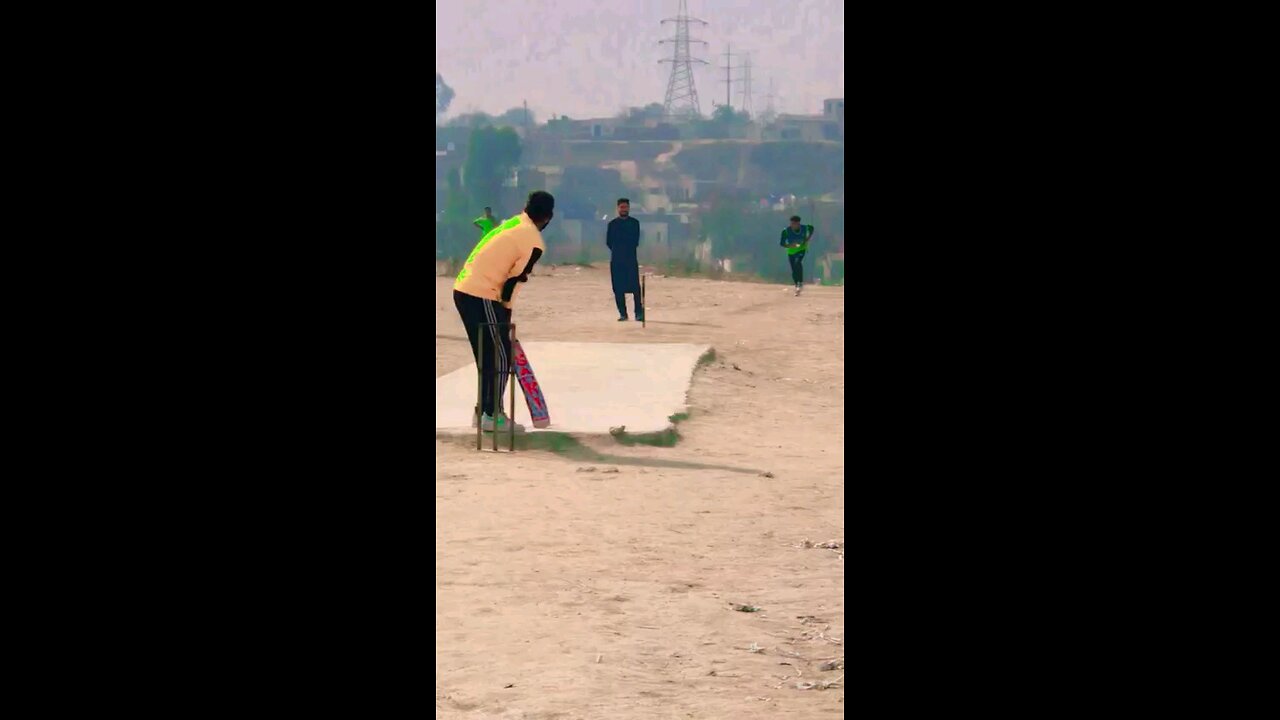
x: 583, y: 259
x: 707, y: 358
x: 663, y: 438
x: 676, y: 270
x: 560, y: 444
x: 683, y: 267
x: 567, y: 446
x: 570, y: 448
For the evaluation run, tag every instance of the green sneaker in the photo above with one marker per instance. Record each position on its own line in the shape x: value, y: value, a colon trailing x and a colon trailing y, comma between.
x: 488, y: 423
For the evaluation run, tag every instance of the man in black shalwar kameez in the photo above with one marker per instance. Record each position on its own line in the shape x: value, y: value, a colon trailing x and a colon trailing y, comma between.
x: 623, y: 238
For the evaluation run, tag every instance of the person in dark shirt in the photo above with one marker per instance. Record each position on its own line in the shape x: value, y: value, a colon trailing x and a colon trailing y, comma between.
x: 623, y: 238
x: 795, y: 238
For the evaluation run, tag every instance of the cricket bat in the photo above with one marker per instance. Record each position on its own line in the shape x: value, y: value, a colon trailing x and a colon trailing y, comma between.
x: 529, y: 385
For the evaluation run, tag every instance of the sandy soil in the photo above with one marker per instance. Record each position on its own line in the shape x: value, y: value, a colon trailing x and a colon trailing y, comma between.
x: 597, y: 582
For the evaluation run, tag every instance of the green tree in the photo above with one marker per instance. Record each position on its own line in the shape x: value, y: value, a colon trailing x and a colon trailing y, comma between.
x: 799, y: 167
x: 455, y: 235
x: 711, y: 161
x: 516, y: 117
x: 444, y: 95
x: 724, y: 123
x: 491, y: 154
x: 591, y: 190
x: 725, y: 223
x: 455, y: 207
x: 470, y: 120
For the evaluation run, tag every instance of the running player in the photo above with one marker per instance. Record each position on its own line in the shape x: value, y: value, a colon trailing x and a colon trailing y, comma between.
x: 795, y: 238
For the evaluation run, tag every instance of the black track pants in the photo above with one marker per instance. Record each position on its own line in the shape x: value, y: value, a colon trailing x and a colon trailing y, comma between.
x: 797, y: 270
x: 474, y: 311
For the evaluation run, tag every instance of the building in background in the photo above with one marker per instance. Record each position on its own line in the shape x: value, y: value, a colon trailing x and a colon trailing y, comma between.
x: 834, y: 108
x: 827, y: 127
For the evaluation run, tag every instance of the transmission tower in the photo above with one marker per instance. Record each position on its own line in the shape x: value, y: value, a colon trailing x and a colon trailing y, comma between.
x: 682, y: 96
x: 769, y: 112
x: 746, y: 84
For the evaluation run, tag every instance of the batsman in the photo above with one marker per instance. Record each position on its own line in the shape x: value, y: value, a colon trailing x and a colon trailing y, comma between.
x: 485, y: 291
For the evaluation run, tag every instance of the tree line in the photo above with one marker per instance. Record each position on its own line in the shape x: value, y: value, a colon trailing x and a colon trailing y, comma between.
x: 492, y: 153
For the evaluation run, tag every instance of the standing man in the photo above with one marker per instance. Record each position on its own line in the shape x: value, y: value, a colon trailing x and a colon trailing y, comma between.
x: 623, y: 237
x: 485, y: 222
x: 485, y: 291
x: 795, y: 238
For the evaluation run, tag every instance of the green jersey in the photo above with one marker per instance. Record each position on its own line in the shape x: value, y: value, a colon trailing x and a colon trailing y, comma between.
x: 801, y: 235
x: 486, y: 224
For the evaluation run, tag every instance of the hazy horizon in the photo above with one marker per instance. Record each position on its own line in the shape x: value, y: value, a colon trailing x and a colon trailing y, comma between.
x: 590, y: 60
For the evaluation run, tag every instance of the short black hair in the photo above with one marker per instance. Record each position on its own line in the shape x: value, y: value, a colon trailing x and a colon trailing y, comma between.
x: 795, y: 218
x: 623, y: 200
x: 540, y: 205
x: 486, y: 207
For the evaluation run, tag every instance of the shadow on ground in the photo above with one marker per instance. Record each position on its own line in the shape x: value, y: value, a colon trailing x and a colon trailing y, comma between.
x: 571, y: 448
x: 691, y: 324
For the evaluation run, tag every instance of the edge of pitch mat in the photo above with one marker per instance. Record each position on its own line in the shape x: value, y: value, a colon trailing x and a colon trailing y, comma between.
x: 575, y: 409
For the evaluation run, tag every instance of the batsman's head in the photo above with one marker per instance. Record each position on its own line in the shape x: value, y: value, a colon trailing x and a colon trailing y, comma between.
x: 795, y: 222
x: 540, y: 208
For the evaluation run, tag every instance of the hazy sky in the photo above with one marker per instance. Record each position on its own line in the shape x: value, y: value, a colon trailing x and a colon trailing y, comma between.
x: 589, y: 59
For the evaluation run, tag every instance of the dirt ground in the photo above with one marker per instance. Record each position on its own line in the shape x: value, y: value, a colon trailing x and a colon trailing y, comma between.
x: 599, y: 581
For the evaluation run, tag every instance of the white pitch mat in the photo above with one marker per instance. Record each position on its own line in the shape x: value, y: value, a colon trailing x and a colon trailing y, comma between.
x: 589, y: 387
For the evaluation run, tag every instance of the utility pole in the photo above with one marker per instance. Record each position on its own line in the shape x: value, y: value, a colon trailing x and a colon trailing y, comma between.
x: 728, y: 76
x: 682, y: 96
x: 746, y: 84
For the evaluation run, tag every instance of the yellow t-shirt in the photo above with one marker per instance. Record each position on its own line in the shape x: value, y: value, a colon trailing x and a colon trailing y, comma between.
x: 503, y: 253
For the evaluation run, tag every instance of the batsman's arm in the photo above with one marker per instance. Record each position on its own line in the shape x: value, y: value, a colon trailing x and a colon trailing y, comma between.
x: 522, y: 267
